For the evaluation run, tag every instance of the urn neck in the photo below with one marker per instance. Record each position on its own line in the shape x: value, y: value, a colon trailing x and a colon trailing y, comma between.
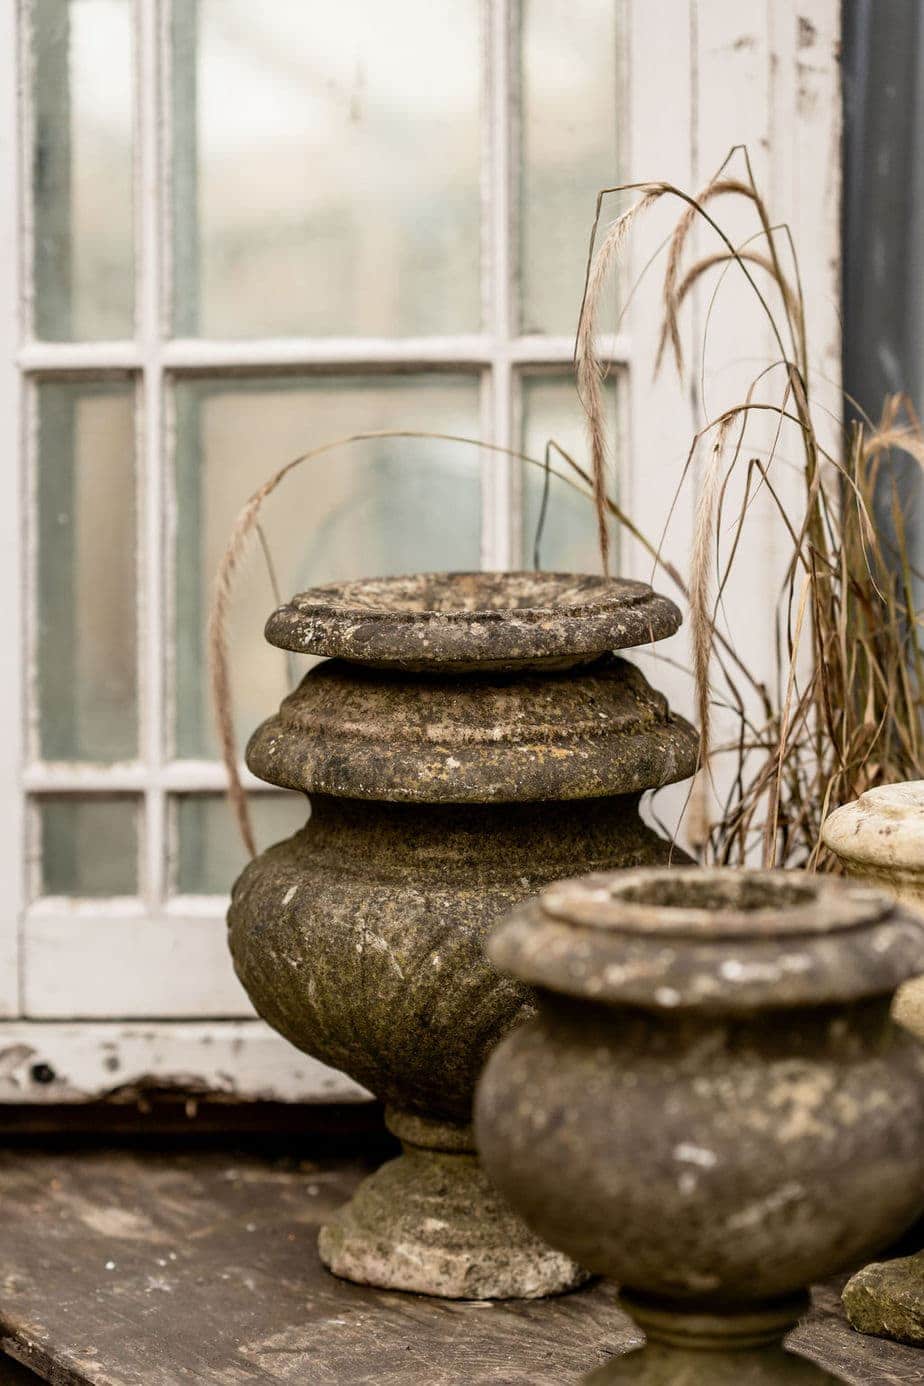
x: 679, y: 1325
x: 470, y: 837
x: 839, y: 1032
x: 428, y: 1133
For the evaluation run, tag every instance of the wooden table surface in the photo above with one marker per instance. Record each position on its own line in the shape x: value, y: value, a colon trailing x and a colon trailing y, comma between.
x: 129, y: 1268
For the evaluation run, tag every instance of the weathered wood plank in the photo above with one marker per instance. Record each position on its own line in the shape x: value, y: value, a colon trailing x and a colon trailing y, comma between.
x: 162, y: 1269
x: 827, y: 1338
x: 142, y: 1270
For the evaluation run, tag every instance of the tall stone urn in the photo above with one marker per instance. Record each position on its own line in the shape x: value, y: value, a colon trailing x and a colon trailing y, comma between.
x: 471, y: 738
x: 713, y: 1105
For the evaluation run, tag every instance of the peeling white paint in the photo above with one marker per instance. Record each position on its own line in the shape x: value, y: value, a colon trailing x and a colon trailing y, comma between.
x: 59, y: 1063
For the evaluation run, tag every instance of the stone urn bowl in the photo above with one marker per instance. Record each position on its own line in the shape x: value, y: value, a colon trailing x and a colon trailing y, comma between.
x: 713, y: 1105
x: 471, y: 738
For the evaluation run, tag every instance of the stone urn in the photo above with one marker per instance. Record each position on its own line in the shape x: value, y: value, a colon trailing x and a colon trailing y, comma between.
x: 713, y: 1105
x: 880, y: 838
x: 471, y: 739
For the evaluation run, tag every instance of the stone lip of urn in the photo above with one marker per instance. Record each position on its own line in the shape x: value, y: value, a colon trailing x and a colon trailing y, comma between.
x: 713, y: 1105
x: 472, y: 738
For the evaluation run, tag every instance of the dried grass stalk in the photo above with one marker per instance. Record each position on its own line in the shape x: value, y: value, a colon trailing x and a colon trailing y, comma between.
x: 588, y: 366
x: 843, y: 711
x: 702, y: 580
x: 807, y: 739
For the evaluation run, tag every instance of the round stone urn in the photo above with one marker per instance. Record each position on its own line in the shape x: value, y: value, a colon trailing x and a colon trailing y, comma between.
x: 471, y: 739
x: 713, y: 1105
x: 880, y: 838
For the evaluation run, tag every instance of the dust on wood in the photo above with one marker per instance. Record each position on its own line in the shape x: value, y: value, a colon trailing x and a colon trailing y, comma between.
x: 165, y: 1269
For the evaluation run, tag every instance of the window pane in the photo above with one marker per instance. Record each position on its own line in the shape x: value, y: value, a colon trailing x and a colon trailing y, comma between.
x: 89, y: 846
x: 82, y: 105
x: 551, y: 409
x: 383, y: 506
x: 209, y: 854
x: 87, y: 632
x: 338, y: 167
x: 570, y: 74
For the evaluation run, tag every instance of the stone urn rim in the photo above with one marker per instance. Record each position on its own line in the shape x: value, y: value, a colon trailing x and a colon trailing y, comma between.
x: 473, y: 620
x: 828, y: 941
x: 882, y: 828
x: 720, y: 903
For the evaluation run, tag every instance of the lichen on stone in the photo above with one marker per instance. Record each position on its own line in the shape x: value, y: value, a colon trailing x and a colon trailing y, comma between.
x: 886, y: 1299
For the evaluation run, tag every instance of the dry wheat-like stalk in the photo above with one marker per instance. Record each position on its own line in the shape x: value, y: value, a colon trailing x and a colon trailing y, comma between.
x: 588, y: 366
x: 702, y: 572
x: 844, y: 709
x: 672, y: 297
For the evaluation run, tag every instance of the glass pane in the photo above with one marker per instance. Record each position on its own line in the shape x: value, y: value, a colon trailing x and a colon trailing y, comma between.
x: 382, y: 506
x: 568, y: 542
x: 89, y: 846
x: 87, y: 621
x: 337, y: 149
x: 209, y: 854
x: 570, y: 74
x: 82, y: 103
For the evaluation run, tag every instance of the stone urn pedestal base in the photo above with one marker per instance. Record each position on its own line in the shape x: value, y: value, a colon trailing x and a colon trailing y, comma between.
x: 432, y: 1222
x: 690, y: 1348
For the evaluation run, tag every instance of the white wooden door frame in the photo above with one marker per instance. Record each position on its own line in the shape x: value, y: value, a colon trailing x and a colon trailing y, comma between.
x: 152, y: 988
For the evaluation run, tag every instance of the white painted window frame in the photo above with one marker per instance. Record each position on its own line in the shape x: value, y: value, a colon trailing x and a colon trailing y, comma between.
x: 154, y: 979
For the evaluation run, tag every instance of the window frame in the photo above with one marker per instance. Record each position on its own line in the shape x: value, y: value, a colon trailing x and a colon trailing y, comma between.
x: 153, y: 360
x: 176, y: 969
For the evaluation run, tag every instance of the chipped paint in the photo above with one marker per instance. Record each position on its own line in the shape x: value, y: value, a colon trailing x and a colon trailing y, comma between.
x: 67, y: 1062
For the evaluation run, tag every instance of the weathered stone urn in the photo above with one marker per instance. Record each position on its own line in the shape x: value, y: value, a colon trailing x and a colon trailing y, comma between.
x: 713, y: 1105
x: 471, y: 739
x: 880, y: 838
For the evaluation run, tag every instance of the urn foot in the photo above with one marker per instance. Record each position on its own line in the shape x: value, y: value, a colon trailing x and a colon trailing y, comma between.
x: 742, y: 1347
x: 431, y: 1222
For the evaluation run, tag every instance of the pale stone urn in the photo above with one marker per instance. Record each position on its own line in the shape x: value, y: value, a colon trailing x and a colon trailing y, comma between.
x: 472, y: 738
x: 713, y: 1105
x: 880, y: 838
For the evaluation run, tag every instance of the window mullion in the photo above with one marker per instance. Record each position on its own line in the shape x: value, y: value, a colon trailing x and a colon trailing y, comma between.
x: 274, y: 354
x: 149, y: 311
x: 499, y: 517
x: 12, y: 808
